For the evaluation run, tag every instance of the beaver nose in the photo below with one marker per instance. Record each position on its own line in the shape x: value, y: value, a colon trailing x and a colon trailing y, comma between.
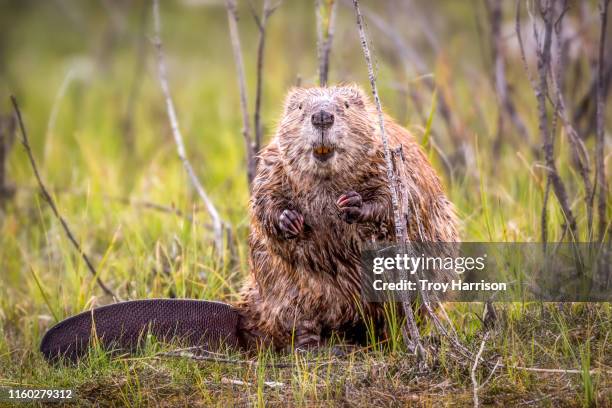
x: 322, y: 119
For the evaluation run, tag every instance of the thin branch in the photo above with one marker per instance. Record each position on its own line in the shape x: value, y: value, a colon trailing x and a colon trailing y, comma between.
x: 544, y: 212
x: 602, y: 182
x: 475, y: 386
x: 325, y: 35
x: 400, y: 232
x: 400, y: 193
x: 178, y: 138
x: 580, y: 155
x: 541, y: 92
x: 412, y: 61
x: 26, y: 144
x: 232, y: 17
x: 219, y: 358
x: 262, y: 23
x: 410, y: 331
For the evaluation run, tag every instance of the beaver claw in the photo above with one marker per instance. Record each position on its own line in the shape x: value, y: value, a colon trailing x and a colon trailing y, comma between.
x: 350, y: 206
x: 291, y: 223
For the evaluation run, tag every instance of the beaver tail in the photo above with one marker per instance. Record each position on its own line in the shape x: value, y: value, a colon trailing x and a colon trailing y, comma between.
x: 124, y: 327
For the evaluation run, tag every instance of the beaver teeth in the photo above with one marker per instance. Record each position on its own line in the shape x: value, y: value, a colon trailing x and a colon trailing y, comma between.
x: 322, y: 150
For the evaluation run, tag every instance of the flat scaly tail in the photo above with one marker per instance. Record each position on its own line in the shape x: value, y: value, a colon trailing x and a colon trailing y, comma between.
x: 124, y: 326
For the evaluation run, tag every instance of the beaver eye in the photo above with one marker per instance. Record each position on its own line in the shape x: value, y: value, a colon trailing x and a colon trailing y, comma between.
x: 346, y: 104
x: 300, y: 106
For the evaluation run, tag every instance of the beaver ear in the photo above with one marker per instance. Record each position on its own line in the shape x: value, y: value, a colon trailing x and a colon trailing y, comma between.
x: 293, y: 99
x: 357, y: 96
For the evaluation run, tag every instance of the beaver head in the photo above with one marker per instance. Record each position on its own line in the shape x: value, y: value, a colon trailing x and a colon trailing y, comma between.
x: 326, y: 131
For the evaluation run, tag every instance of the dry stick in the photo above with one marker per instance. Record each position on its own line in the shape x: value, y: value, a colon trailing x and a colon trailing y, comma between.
x: 410, y: 333
x: 580, y: 155
x: 232, y: 17
x: 600, y: 143
x: 262, y: 22
x: 325, y: 36
x: 541, y: 92
x: 475, y: 385
x: 393, y: 183
x: 406, y: 203
x: 410, y: 57
x: 26, y: 144
x: 400, y: 227
x: 216, y: 358
x: 400, y: 230
x: 517, y: 29
x: 178, y: 138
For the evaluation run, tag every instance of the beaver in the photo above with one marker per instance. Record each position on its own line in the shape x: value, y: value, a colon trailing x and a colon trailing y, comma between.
x: 320, y: 195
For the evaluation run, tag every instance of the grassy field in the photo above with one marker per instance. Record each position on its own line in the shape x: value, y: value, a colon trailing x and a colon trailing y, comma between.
x: 86, y: 79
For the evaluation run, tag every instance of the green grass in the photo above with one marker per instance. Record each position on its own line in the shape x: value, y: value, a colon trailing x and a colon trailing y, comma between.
x: 85, y: 159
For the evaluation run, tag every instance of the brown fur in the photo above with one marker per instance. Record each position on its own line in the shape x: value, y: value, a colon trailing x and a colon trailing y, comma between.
x: 302, y: 288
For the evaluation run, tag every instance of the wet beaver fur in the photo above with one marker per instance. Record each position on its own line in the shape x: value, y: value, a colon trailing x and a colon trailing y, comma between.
x: 320, y: 195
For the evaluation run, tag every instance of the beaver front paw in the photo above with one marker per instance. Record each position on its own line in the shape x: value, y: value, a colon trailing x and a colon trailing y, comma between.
x: 350, y: 206
x: 291, y: 223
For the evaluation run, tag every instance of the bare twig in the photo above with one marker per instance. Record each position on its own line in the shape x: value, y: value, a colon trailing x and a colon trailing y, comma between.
x: 232, y: 17
x: 271, y: 384
x: 600, y: 145
x: 580, y: 156
x: 205, y: 355
x: 262, y: 22
x: 544, y: 212
x: 413, y: 62
x: 410, y: 331
x: 475, y: 386
x: 26, y: 144
x: 326, y: 15
x: 400, y: 232
x: 541, y: 92
x: 400, y: 197
x: 178, y: 138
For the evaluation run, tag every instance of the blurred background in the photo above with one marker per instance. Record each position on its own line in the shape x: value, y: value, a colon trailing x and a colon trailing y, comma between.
x: 85, y: 76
